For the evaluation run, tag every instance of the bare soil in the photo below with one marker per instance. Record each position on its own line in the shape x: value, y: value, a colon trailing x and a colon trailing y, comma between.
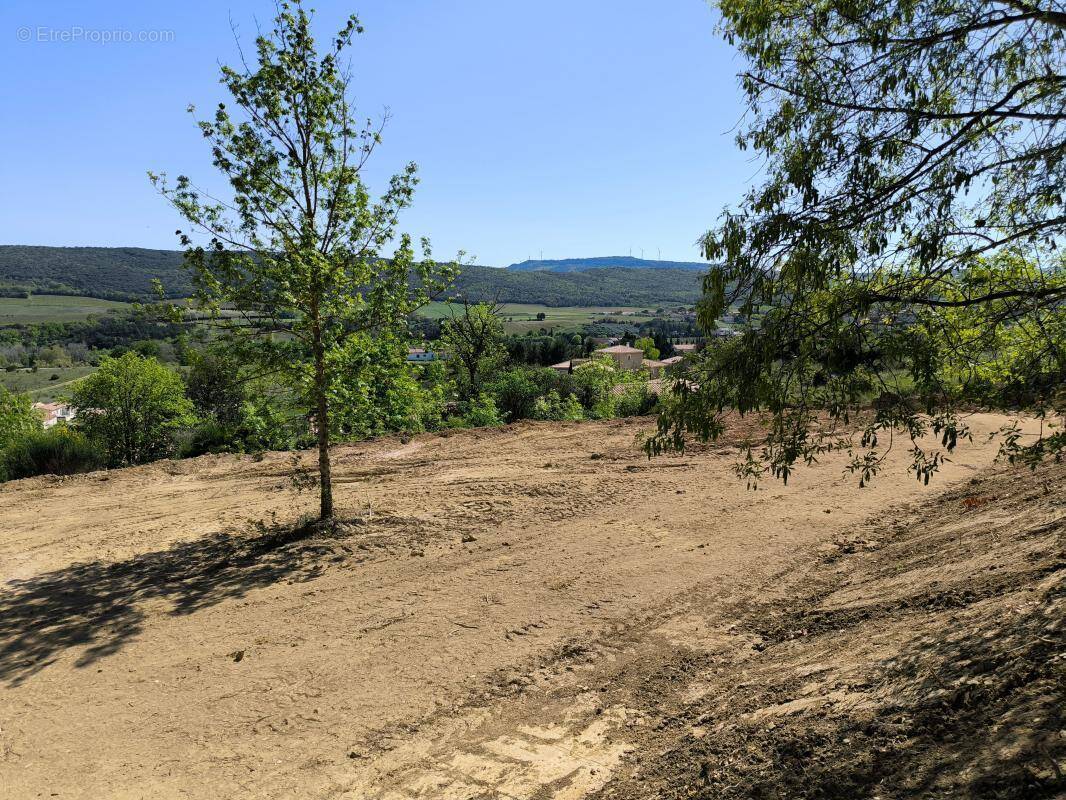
x: 533, y: 612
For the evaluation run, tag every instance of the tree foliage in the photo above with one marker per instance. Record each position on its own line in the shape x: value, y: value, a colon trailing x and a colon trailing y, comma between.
x: 474, y: 341
x: 216, y: 387
x: 295, y: 250
x: 902, y: 252
x: 17, y: 417
x: 647, y: 344
x: 132, y: 407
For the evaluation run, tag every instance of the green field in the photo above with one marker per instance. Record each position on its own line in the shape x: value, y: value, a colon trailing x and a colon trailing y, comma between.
x: 522, y: 317
x: 40, y: 385
x: 52, y: 308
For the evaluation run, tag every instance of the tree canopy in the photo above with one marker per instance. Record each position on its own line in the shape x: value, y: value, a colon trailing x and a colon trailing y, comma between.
x: 474, y: 340
x: 901, y: 254
x: 17, y: 417
x: 296, y: 251
x: 132, y: 406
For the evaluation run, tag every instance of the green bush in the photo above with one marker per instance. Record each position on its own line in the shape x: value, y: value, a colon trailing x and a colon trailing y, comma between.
x: 134, y: 407
x: 481, y: 412
x: 58, y: 451
x: 207, y: 437
x: 635, y: 400
x: 17, y: 417
x: 554, y: 407
x: 516, y: 390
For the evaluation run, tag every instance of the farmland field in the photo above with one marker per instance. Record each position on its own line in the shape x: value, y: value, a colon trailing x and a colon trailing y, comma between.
x: 53, y: 308
x: 522, y: 317
x: 40, y: 384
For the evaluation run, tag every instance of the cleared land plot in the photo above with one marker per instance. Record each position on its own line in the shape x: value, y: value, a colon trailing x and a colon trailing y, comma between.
x: 494, y: 618
x: 53, y: 308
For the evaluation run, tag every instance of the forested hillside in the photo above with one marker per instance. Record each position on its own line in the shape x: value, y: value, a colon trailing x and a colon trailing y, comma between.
x: 601, y: 262
x: 599, y: 287
x: 112, y: 273
x: 126, y: 273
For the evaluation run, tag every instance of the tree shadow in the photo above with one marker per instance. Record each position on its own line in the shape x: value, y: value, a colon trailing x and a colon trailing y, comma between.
x: 97, y: 604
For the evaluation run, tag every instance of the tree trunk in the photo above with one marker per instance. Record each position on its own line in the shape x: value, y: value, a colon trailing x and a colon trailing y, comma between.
x: 325, y: 480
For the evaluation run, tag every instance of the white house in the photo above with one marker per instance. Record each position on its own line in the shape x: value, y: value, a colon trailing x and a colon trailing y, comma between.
x: 52, y: 413
x: 419, y: 355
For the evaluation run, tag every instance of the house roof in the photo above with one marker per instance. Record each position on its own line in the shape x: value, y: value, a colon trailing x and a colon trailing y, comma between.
x: 669, y: 362
x: 51, y: 407
x: 686, y: 348
x: 655, y: 386
x: 653, y: 362
x: 570, y: 362
x: 619, y: 348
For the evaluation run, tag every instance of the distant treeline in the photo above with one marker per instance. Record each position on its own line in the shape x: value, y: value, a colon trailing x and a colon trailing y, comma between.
x: 110, y: 273
x: 127, y: 273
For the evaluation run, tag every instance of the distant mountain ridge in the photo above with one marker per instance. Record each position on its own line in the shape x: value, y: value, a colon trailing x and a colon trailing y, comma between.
x: 126, y: 273
x: 603, y: 262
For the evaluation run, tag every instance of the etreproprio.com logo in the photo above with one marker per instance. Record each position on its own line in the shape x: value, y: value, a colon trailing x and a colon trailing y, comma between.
x: 77, y: 34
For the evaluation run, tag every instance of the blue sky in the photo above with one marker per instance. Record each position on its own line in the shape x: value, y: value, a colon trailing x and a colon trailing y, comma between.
x: 563, y: 127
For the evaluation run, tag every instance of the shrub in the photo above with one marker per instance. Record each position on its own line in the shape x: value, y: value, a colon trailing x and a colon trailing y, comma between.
x: 58, y: 451
x: 516, y: 390
x: 207, y: 437
x: 17, y: 417
x: 634, y: 401
x: 554, y: 407
x: 481, y: 412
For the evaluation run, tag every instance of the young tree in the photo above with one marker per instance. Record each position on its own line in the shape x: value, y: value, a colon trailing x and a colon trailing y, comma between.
x: 911, y: 214
x: 132, y: 406
x: 295, y: 252
x: 474, y: 340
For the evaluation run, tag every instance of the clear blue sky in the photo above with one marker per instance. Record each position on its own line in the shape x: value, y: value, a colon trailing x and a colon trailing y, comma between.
x: 568, y: 127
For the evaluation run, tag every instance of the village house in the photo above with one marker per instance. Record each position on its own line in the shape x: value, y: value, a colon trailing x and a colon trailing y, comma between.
x: 653, y: 366
x: 53, y: 413
x: 566, y: 367
x: 626, y: 358
x: 629, y: 359
x: 419, y: 355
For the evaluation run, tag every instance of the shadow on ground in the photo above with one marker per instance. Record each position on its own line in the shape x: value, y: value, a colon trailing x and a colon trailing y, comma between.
x: 97, y: 605
x: 972, y: 712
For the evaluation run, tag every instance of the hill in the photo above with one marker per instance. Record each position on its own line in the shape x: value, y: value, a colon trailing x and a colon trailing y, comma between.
x: 126, y: 273
x: 602, y: 262
x: 109, y: 273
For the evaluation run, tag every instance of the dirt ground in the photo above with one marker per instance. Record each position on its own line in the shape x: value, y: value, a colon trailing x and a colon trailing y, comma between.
x: 533, y: 612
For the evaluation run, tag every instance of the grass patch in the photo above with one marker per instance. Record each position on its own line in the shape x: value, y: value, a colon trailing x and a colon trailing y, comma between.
x: 522, y: 317
x: 40, y: 308
x: 40, y: 384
